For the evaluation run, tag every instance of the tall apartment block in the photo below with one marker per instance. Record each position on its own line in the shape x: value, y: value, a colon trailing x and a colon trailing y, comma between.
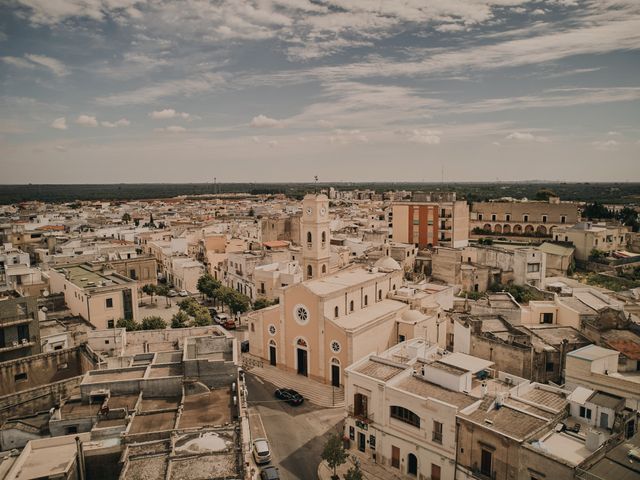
x: 430, y: 220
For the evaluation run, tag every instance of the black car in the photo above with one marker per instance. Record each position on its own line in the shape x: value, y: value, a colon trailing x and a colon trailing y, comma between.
x: 269, y: 473
x: 290, y: 396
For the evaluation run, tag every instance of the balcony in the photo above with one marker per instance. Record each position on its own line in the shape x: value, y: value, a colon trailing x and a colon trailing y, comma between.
x: 365, y: 417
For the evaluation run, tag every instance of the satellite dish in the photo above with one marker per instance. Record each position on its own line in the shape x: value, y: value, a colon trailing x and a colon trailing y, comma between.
x: 45, y: 293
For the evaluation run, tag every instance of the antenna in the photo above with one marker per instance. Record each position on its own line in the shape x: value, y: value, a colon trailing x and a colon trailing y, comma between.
x: 315, y: 177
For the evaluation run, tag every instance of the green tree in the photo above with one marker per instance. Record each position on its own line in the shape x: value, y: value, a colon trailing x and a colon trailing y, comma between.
x: 153, y: 323
x: 261, y: 303
x: 207, y: 285
x: 163, y: 291
x: 126, y: 218
x: 129, y: 324
x: 150, y: 289
x: 544, y: 194
x: 179, y: 320
x: 334, y: 453
x: 354, y: 473
x: 201, y: 317
x: 236, y: 301
x: 189, y: 306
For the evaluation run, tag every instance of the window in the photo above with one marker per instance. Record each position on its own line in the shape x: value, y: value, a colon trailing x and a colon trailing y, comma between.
x: 110, y: 323
x: 309, y: 271
x: 549, y: 367
x: 479, y: 216
x: 324, y: 237
x: 360, y: 405
x: 379, y: 294
x: 416, y: 221
x: 23, y: 332
x: 546, y: 317
x: 351, y: 306
x: 437, y: 432
x: 493, y: 217
x: 366, y: 300
x: 405, y: 415
x: 309, y: 238
x: 533, y: 267
x: 336, y: 312
x: 324, y: 269
x: 20, y: 377
x: 544, y: 219
x: 109, y: 302
x: 395, y: 456
x: 132, y: 274
x: 585, y: 413
x: 401, y: 338
x: 525, y: 218
x: 563, y: 219
x: 507, y: 217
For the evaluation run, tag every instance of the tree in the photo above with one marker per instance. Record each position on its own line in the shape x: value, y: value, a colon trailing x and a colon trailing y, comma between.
x: 126, y: 218
x: 129, y: 324
x: 207, y: 285
x: 189, y: 306
x: 354, y: 473
x: 153, y: 323
x: 544, y: 194
x: 150, y: 289
x: 201, y: 317
x: 261, y: 303
x: 179, y: 320
x: 334, y: 453
x: 163, y: 291
x: 236, y: 301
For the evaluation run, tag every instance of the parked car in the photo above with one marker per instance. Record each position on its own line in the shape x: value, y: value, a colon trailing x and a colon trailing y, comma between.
x: 213, y: 312
x: 229, y: 324
x: 220, y: 318
x: 261, y: 451
x: 183, y: 293
x: 290, y: 396
x: 173, y: 293
x: 270, y: 473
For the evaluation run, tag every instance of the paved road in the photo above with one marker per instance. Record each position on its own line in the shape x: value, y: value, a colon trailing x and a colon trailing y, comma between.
x: 296, y: 434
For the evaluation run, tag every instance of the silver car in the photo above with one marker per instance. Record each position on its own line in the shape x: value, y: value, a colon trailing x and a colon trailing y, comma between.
x: 261, y: 451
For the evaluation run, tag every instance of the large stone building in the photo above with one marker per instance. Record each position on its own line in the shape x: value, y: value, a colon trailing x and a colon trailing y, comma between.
x: 522, y: 217
x: 587, y: 237
x: 19, y: 326
x: 430, y: 220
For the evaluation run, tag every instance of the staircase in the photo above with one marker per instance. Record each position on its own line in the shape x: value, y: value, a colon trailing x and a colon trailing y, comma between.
x: 315, y: 392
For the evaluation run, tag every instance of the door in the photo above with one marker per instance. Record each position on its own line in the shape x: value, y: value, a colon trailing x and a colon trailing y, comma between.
x: 335, y: 375
x: 362, y: 441
x: 412, y: 464
x: 604, y: 420
x: 302, y: 362
x: 395, y: 457
x: 435, y: 472
x: 485, y: 462
x: 272, y: 355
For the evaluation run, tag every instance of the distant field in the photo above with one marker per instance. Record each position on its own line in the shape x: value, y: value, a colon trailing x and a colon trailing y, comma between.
x: 588, y: 192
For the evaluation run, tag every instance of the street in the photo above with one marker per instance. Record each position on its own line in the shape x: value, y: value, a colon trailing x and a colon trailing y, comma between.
x: 296, y: 434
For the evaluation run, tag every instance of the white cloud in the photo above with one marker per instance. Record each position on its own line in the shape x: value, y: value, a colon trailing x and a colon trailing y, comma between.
x: 172, y: 129
x: 526, y: 137
x: 168, y: 113
x: 426, y: 137
x: 57, y: 67
x: 262, y: 121
x: 613, y: 133
x: 18, y: 62
x: 606, y: 145
x: 87, y: 121
x: 538, y: 11
x: 59, y: 123
x: 123, y: 122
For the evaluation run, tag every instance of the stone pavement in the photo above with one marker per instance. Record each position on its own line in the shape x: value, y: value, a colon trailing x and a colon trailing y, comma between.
x: 370, y: 470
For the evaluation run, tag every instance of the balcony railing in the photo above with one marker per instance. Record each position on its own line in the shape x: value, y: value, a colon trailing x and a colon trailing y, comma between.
x: 366, y: 417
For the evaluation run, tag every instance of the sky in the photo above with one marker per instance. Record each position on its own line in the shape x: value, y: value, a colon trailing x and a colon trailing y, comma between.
x: 119, y: 91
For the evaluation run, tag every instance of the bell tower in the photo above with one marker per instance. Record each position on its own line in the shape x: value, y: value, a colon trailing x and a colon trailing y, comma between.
x: 315, y: 236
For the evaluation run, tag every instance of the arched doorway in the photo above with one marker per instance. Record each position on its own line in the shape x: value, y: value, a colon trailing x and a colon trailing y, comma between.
x: 335, y: 372
x: 497, y: 228
x: 528, y: 229
x: 412, y: 464
x: 273, y: 353
x: 506, y: 229
x: 542, y: 230
x: 517, y: 229
x: 302, y: 359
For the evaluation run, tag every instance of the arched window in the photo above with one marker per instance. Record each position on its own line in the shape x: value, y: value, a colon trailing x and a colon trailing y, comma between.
x: 324, y: 237
x: 336, y: 312
x: 405, y: 415
x: 308, y: 237
x: 379, y: 294
x: 324, y: 268
x: 366, y: 300
x: 309, y: 271
x: 351, y: 306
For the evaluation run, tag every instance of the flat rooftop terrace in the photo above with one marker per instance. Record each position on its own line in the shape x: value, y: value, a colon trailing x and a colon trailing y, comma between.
x: 101, y: 376
x: 562, y: 445
x: 153, y: 422
x: 206, y: 409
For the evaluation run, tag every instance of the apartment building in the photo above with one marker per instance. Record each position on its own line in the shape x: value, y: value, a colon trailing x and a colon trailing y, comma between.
x: 269, y: 280
x: 431, y: 219
x: 522, y: 217
x: 96, y: 293
x: 587, y: 237
x: 19, y: 326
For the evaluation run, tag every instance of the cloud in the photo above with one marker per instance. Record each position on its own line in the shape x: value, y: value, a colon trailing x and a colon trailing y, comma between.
x: 526, y: 137
x: 123, y: 122
x: 31, y: 61
x: 262, y: 121
x: 168, y: 113
x: 172, y: 129
x: 426, y: 137
x: 57, y: 67
x: 272, y: 143
x: 59, y: 123
x: 61, y: 148
x: 606, y: 145
x: 87, y: 121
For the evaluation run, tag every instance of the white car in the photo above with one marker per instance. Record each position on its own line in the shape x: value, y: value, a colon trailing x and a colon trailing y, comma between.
x: 261, y: 451
x: 183, y: 293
